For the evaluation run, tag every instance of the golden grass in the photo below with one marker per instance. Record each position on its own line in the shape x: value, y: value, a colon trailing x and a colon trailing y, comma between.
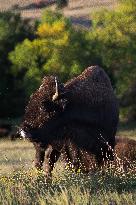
x: 15, y: 155
x: 21, y: 184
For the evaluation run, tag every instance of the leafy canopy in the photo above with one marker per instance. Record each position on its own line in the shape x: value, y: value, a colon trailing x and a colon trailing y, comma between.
x: 56, y: 50
x: 113, y: 42
x: 13, y: 30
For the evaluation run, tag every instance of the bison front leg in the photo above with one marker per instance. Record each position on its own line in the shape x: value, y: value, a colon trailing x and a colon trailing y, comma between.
x: 73, y: 156
x: 39, y: 156
x: 51, y: 156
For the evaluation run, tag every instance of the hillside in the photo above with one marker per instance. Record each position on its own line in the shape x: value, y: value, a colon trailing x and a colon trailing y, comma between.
x: 78, y: 10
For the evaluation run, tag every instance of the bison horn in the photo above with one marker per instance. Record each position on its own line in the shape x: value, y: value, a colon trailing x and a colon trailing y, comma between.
x: 55, y: 96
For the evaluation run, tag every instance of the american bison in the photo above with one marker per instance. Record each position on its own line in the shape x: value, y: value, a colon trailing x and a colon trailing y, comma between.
x: 124, y: 157
x: 125, y: 153
x: 72, y: 118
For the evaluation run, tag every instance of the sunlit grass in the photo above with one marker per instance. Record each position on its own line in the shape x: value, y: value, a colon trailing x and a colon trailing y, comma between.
x: 21, y: 184
x: 99, y: 188
x: 15, y: 155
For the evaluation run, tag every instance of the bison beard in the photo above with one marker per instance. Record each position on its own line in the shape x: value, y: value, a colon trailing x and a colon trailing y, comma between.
x: 78, y: 117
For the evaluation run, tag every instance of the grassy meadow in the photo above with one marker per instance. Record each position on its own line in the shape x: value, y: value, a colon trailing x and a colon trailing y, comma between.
x: 21, y: 184
x: 23, y: 63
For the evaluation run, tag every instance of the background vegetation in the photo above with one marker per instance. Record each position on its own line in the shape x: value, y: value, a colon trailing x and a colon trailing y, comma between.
x: 31, y: 49
x: 21, y: 184
x: 52, y: 45
x: 13, y: 30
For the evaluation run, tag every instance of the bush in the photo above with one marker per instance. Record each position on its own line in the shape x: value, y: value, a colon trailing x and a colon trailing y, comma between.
x: 12, y: 31
x: 58, y: 49
x: 112, y: 40
x: 62, y: 3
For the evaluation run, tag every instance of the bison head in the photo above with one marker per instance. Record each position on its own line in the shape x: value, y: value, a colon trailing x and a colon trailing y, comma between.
x: 44, y: 107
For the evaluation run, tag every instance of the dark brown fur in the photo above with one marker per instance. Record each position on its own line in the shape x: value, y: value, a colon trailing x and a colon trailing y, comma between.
x: 125, y: 152
x: 85, y: 110
x: 125, y: 157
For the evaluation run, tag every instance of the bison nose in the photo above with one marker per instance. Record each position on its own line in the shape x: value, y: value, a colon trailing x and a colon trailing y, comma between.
x: 23, y: 134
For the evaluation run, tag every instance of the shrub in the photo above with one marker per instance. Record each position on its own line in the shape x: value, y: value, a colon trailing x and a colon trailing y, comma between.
x: 62, y: 3
x: 58, y: 49
x: 12, y: 31
x: 112, y: 41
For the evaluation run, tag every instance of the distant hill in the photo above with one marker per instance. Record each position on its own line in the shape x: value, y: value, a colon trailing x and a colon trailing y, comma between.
x: 78, y: 10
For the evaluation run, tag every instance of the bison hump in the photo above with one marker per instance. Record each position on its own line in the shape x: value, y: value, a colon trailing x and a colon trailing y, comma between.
x: 92, y: 87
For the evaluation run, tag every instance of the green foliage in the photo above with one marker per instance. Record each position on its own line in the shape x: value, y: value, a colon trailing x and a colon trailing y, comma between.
x: 50, y: 17
x: 54, y: 46
x: 112, y: 41
x: 58, y: 49
x: 12, y: 30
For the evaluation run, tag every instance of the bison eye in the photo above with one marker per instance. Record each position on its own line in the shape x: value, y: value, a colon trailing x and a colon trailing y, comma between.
x: 49, y: 106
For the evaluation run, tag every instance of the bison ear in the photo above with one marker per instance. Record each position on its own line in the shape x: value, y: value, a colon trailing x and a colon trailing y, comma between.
x: 59, y: 90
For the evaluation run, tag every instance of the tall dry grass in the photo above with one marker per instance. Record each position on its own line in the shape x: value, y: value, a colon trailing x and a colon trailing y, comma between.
x: 21, y: 184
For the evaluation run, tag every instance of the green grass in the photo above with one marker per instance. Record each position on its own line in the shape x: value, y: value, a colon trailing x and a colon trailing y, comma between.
x: 21, y: 184
x: 15, y: 155
x: 29, y: 188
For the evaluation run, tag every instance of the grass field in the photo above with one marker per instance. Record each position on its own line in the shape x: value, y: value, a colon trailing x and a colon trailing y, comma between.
x: 21, y: 184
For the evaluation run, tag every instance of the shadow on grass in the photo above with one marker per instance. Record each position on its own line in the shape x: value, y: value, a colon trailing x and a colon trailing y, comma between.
x: 39, y: 5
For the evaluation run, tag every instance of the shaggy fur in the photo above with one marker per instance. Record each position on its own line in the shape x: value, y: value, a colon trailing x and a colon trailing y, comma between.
x: 125, y: 156
x: 95, y: 86
x: 125, y: 152
x: 82, y: 119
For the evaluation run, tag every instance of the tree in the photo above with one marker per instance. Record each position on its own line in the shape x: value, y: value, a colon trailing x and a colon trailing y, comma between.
x: 12, y: 31
x: 58, y: 49
x: 112, y: 39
